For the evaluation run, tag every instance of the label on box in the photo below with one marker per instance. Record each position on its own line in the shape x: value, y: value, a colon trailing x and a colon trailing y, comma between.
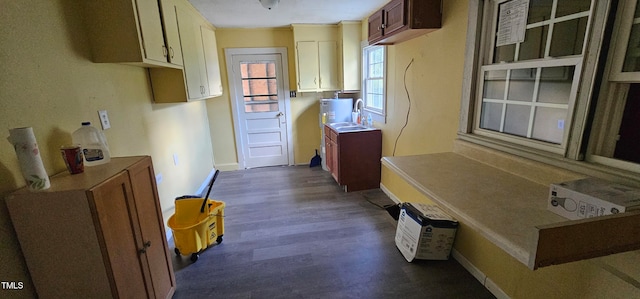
x: 590, y: 197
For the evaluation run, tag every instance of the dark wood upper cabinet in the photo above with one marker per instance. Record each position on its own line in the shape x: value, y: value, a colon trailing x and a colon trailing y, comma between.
x: 401, y: 20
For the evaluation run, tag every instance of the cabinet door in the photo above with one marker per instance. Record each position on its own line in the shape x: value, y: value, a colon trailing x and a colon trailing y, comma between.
x: 120, y: 242
x: 375, y: 26
x: 152, y: 229
x: 211, y: 61
x: 328, y: 65
x: 328, y: 154
x: 170, y: 23
x: 192, y: 54
x: 151, y: 27
x: 307, y: 65
x: 335, y: 167
x: 394, y: 16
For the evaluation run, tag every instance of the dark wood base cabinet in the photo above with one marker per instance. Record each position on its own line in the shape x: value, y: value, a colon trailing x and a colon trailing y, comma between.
x: 353, y: 158
x: 97, y: 234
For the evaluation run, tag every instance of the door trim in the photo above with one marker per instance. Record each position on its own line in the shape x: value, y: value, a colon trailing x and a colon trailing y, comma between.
x: 282, y: 51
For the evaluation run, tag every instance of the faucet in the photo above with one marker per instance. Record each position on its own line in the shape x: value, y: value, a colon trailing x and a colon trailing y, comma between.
x: 358, y: 110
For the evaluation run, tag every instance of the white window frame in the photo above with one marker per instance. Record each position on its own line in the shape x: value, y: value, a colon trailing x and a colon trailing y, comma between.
x: 378, y: 115
x: 572, y: 156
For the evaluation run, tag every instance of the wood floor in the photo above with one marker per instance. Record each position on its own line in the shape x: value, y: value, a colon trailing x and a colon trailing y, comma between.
x: 290, y: 232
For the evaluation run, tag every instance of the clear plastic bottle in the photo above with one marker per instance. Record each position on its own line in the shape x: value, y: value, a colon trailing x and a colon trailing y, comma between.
x: 93, y: 143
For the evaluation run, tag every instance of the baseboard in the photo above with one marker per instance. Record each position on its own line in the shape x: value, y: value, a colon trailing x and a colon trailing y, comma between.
x: 205, y: 185
x: 228, y: 167
x: 479, y: 275
x: 390, y: 194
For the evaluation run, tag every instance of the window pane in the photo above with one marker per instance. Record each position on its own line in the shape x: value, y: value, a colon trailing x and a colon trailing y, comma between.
x: 516, y: 120
x: 376, y: 70
x: 521, y: 85
x: 628, y: 145
x: 631, y: 60
x: 491, y: 116
x: 259, y: 87
x: 504, y: 54
x: 535, y: 41
x: 268, y: 107
x: 555, y: 84
x: 494, y: 84
x: 568, y: 37
x: 260, y: 98
x: 548, y: 124
x: 539, y: 10
x: 258, y: 70
x: 569, y: 7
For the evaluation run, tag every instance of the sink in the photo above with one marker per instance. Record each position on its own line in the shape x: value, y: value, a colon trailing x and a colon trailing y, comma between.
x: 349, y: 127
x: 352, y: 128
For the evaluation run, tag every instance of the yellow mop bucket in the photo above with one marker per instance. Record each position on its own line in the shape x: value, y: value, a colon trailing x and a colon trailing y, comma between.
x: 197, y: 223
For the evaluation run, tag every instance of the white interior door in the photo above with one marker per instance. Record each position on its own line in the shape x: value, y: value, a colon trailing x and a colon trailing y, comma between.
x: 261, y: 108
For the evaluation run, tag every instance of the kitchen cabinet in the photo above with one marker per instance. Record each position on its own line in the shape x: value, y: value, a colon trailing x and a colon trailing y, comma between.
x: 401, y: 20
x: 212, y: 63
x: 350, y: 55
x: 353, y: 158
x: 127, y: 31
x: 200, y: 56
x: 317, y: 57
x: 98, y: 234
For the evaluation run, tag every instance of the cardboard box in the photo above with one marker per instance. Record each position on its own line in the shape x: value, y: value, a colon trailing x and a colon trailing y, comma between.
x: 591, y: 197
x: 425, y: 232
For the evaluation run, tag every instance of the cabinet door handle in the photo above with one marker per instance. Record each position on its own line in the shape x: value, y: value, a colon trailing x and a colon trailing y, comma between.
x: 146, y: 245
x: 383, y: 26
x: 171, y: 52
x: 164, y: 51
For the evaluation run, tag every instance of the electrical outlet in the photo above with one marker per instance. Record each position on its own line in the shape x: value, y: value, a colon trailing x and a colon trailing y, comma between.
x: 175, y: 159
x: 292, y: 94
x: 104, y: 119
x: 158, y: 178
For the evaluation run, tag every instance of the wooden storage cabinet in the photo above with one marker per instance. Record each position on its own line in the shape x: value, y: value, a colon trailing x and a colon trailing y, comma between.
x: 99, y: 234
x: 128, y: 31
x: 353, y: 158
x: 401, y: 20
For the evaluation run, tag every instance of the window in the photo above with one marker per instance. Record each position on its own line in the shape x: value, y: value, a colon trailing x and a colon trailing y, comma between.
x: 550, y: 81
x: 529, y: 77
x: 616, y: 134
x: 373, y: 85
x: 259, y: 86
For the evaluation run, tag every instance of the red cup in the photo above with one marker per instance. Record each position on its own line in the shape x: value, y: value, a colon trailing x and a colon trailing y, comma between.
x: 72, y: 156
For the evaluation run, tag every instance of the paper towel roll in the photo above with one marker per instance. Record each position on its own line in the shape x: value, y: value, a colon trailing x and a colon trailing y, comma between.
x: 24, y: 142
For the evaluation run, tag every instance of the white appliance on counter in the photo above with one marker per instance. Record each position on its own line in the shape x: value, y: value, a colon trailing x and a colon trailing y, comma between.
x: 334, y: 111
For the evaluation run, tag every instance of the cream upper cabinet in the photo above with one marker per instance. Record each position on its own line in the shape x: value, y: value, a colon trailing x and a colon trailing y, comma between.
x: 192, y: 55
x: 211, y: 61
x: 127, y: 31
x: 351, y: 55
x: 172, y: 36
x: 307, y: 72
x: 199, y: 78
x: 317, y: 57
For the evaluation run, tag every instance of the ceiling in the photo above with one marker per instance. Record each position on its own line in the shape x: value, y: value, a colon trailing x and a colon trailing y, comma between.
x: 251, y: 14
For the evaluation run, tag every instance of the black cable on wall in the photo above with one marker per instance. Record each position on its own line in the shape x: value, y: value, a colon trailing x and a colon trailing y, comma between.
x: 406, y: 122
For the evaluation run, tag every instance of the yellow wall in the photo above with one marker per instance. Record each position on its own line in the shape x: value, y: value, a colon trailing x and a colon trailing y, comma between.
x: 434, y: 83
x: 304, y: 107
x: 49, y: 83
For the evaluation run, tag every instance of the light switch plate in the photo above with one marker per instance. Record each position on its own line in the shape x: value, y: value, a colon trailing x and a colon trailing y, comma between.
x: 104, y: 119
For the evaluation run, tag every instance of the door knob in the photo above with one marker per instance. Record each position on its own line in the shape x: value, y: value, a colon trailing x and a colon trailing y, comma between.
x: 279, y: 114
